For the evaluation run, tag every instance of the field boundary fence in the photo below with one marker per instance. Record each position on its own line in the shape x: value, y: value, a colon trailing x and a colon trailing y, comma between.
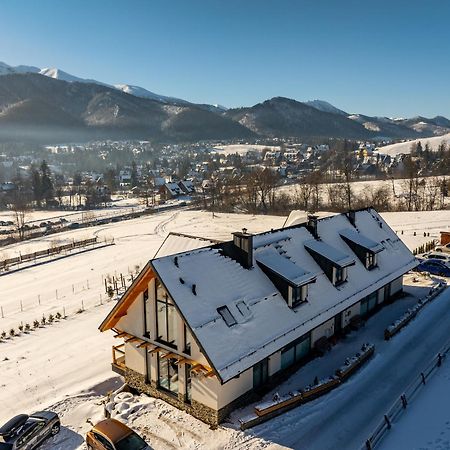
x: 402, y: 402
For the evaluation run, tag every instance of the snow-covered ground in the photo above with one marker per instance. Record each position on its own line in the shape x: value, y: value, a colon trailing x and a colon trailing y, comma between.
x: 66, y: 365
x: 426, y: 423
x: 405, y: 147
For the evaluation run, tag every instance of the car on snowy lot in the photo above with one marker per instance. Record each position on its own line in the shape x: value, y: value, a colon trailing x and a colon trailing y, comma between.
x: 444, y: 257
x: 443, y: 248
x: 27, y: 432
x: 110, y: 434
x: 434, y: 266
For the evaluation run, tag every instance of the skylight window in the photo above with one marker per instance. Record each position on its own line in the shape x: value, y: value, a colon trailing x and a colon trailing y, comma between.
x: 227, y: 316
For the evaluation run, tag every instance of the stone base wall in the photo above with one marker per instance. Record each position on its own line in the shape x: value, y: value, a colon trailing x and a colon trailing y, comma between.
x: 137, y: 381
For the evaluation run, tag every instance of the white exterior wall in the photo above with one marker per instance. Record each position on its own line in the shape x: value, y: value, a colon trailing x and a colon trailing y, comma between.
x: 205, y: 391
x: 274, y: 363
x: 326, y: 329
x: 349, y: 313
x: 396, y: 285
x: 235, y: 388
x: 133, y: 321
x: 135, y: 358
x: 380, y: 295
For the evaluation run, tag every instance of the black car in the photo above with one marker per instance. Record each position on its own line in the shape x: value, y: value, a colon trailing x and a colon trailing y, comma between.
x: 25, y: 432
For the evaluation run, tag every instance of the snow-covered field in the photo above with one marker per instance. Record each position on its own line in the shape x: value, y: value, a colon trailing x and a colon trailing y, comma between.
x: 405, y: 147
x: 66, y: 365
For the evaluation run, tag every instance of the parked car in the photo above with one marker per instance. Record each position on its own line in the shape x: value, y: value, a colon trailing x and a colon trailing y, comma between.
x: 24, y: 432
x: 434, y: 266
x: 444, y: 257
x: 443, y: 248
x: 110, y: 434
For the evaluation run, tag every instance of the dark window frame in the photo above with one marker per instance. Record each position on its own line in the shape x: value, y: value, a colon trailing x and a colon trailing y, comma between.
x: 166, y: 304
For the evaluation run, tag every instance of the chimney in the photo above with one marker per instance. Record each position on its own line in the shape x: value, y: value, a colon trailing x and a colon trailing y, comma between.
x: 243, y: 244
x: 311, y: 225
x: 352, y: 217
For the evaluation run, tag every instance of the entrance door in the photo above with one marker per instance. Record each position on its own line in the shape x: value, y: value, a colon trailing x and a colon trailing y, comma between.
x: 260, y: 373
x: 338, y: 323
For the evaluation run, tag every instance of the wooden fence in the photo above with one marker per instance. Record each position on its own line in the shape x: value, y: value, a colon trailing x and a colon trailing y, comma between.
x: 47, y: 252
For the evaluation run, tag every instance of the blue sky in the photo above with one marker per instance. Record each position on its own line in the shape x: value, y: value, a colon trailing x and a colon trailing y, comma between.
x: 373, y: 57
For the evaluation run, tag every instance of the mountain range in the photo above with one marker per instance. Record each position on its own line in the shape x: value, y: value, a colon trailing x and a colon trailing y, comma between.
x: 52, y: 105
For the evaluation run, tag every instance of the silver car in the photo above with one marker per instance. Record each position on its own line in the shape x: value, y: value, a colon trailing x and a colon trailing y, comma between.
x: 25, y: 432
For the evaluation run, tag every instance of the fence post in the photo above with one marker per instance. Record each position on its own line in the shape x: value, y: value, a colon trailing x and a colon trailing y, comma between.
x: 1, y: 309
x: 21, y: 306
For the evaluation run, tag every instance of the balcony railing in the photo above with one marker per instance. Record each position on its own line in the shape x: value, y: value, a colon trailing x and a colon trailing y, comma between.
x: 118, y: 357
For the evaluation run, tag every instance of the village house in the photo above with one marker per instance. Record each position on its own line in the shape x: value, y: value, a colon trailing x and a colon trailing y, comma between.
x: 207, y: 326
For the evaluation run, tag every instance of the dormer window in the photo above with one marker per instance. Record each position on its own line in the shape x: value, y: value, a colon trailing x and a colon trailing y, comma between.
x: 371, y: 260
x: 364, y: 248
x: 290, y: 279
x: 340, y: 275
x: 297, y: 295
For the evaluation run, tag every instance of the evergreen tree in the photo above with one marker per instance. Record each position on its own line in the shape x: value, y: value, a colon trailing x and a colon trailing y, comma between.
x: 46, y: 183
x: 134, y: 175
x: 36, y: 185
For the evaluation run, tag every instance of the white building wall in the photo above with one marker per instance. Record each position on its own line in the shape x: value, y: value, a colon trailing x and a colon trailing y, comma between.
x: 205, y: 391
x: 135, y: 358
x: 274, y: 363
x: 396, y: 285
x: 326, y: 329
x: 235, y: 388
x: 349, y: 313
x: 133, y: 321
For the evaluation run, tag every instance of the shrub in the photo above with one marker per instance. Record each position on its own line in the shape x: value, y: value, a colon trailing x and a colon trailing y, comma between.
x: 27, y: 327
x: 12, y: 332
x: 58, y: 315
x: 3, y: 335
x: 50, y: 318
x: 43, y: 320
x: 36, y: 323
x: 20, y: 327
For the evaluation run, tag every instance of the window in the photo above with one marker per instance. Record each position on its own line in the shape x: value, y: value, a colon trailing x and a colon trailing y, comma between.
x: 103, y: 441
x: 146, y: 314
x: 299, y: 295
x: 371, y: 260
x: 243, y: 308
x: 260, y: 373
x: 166, y: 317
x: 188, y: 379
x: 227, y: 316
x: 187, y: 340
x: 339, y: 275
x: 295, y: 351
x: 168, y: 374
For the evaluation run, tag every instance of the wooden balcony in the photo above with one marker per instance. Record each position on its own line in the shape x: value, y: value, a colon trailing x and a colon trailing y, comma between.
x: 118, y: 359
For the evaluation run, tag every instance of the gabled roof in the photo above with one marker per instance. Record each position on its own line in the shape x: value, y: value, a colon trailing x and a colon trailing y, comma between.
x: 283, y: 267
x: 268, y: 323
x: 361, y: 240
x: 335, y: 256
x: 179, y: 242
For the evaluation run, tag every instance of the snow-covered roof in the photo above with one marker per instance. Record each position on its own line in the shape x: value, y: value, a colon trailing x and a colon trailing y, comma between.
x: 337, y: 257
x: 264, y: 321
x: 361, y: 240
x: 173, y: 188
x: 177, y: 243
x: 283, y: 266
